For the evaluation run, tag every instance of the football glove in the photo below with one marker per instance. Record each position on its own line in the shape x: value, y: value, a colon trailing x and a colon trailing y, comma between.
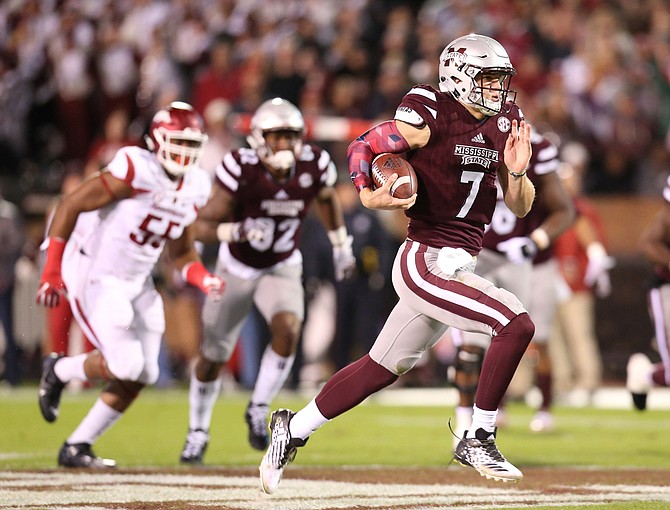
x: 597, y: 270
x: 344, y: 261
x: 518, y: 249
x: 239, y: 232
x: 52, y: 287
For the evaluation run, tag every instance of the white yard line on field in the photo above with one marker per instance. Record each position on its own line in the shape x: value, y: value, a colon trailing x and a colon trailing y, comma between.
x: 85, y: 491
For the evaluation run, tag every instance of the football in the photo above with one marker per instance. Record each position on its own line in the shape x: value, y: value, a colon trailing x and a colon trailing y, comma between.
x: 387, y: 164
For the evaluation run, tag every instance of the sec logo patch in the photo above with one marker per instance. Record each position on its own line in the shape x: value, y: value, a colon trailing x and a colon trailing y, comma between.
x: 504, y: 124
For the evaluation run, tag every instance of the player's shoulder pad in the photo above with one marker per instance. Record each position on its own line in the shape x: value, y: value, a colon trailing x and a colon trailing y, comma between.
x: 419, y: 101
x: 229, y: 171
x: 515, y: 112
x: 201, y: 180
x: 319, y: 161
x: 130, y: 164
x: 545, y: 158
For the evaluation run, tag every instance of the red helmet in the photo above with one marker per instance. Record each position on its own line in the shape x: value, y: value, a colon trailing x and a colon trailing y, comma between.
x: 176, y: 135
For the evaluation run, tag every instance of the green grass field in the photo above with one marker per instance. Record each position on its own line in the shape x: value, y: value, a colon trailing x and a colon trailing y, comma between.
x: 152, y: 434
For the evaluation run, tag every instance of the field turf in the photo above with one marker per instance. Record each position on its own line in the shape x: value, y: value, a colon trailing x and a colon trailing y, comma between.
x: 375, y: 456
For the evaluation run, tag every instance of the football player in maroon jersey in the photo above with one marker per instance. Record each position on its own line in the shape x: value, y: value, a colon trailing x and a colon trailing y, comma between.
x: 459, y: 139
x: 517, y: 255
x: 261, y: 196
x: 642, y: 374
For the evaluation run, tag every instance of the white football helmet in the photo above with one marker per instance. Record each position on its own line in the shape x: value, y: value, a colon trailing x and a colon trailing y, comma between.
x: 461, y: 63
x: 276, y: 115
x: 176, y: 136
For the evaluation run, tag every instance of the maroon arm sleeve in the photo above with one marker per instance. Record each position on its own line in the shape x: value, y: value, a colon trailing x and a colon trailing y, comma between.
x: 382, y: 138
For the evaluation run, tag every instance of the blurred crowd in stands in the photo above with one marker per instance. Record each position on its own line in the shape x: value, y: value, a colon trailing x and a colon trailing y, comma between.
x: 595, y: 71
x: 81, y: 78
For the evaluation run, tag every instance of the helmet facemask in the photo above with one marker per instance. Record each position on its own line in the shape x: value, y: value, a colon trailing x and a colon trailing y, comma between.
x: 178, y: 151
x: 486, y: 84
x: 280, y: 159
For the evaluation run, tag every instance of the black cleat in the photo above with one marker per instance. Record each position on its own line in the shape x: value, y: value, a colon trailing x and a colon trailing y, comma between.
x: 281, y: 452
x: 51, y: 388
x: 639, y: 401
x: 80, y: 455
x: 481, y: 453
x: 256, y: 417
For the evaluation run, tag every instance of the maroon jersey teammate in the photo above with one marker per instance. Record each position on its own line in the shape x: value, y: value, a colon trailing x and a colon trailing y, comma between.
x: 517, y: 255
x: 458, y: 139
x: 641, y: 374
x: 262, y: 194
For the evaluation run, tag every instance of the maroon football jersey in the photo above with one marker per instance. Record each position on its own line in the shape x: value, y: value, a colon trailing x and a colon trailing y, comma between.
x: 505, y: 224
x: 456, y: 170
x: 276, y: 207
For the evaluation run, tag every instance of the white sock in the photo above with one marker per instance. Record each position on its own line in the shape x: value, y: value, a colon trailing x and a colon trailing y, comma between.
x: 482, y: 420
x: 98, y: 420
x: 69, y: 368
x: 306, y: 421
x: 201, y: 398
x: 272, y: 375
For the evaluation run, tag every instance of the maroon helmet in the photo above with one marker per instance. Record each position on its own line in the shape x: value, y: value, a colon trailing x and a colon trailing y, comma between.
x: 176, y: 135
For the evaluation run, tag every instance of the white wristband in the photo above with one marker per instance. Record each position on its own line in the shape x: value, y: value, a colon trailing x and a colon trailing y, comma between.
x: 224, y: 232
x: 338, y: 236
x: 540, y: 238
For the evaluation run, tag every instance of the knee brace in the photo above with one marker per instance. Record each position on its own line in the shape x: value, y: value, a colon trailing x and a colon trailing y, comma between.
x: 468, y: 363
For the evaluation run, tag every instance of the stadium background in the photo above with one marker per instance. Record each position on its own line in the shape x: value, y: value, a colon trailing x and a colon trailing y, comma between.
x: 593, y: 73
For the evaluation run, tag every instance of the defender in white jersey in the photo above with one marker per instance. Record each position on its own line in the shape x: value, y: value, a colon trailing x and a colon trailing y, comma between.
x: 261, y: 194
x: 103, y: 243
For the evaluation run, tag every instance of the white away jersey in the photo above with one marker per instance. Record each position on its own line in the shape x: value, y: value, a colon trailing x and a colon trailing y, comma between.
x: 126, y: 238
